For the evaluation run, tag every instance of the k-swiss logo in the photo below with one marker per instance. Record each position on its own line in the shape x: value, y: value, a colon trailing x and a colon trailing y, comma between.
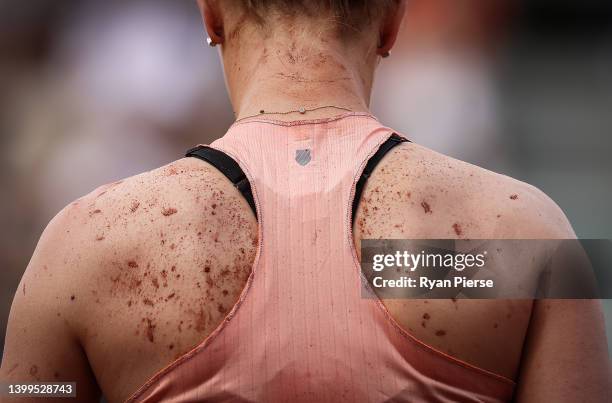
x: 302, y: 157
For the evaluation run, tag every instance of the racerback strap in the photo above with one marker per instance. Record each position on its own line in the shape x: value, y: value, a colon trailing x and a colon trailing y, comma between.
x: 230, y: 168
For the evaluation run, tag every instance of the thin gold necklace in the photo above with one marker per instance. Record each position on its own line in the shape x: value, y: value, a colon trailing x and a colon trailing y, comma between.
x: 300, y: 110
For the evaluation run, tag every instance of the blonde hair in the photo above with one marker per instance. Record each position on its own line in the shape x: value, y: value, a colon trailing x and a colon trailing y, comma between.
x: 349, y: 14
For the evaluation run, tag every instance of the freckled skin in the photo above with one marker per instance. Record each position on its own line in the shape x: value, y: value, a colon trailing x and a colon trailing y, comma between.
x: 115, y: 296
x: 150, y: 269
x: 452, y: 199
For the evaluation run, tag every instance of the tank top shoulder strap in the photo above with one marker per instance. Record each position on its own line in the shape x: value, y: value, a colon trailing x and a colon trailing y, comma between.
x: 228, y: 167
x: 383, y: 150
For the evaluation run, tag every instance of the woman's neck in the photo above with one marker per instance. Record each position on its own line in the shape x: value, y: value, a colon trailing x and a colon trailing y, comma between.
x: 285, y: 75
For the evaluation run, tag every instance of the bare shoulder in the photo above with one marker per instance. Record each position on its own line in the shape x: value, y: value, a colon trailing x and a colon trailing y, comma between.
x: 162, y: 256
x: 131, y: 216
x: 138, y: 241
x: 428, y: 194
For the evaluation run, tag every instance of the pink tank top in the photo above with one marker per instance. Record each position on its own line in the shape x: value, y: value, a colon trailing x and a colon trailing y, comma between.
x: 301, y: 330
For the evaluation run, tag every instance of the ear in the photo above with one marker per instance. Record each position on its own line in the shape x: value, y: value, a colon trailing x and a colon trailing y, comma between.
x: 390, y: 28
x: 213, y: 20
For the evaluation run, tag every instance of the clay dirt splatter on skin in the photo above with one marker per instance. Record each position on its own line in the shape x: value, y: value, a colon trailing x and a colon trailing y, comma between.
x: 426, y: 207
x: 96, y: 211
x: 457, y: 229
x: 13, y: 368
x: 167, y: 212
x: 139, y: 279
x: 135, y: 205
x: 150, y: 329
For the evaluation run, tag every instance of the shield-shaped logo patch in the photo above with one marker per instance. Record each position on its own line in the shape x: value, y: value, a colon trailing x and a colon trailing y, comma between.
x: 303, y: 157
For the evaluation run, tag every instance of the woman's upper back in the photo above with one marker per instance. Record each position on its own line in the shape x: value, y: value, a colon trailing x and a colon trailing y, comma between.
x: 157, y: 261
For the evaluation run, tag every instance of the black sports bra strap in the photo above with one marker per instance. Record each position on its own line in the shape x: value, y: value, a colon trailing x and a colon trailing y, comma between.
x: 228, y: 167
x: 387, y: 146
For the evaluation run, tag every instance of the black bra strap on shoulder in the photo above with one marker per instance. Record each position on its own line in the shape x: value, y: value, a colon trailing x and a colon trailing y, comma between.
x: 387, y: 146
x: 228, y: 167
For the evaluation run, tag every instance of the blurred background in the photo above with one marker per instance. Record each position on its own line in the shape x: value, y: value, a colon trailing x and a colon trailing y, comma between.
x: 94, y: 91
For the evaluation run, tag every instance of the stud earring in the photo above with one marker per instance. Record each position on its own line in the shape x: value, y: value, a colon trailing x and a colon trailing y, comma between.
x: 380, y: 45
x: 210, y: 42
